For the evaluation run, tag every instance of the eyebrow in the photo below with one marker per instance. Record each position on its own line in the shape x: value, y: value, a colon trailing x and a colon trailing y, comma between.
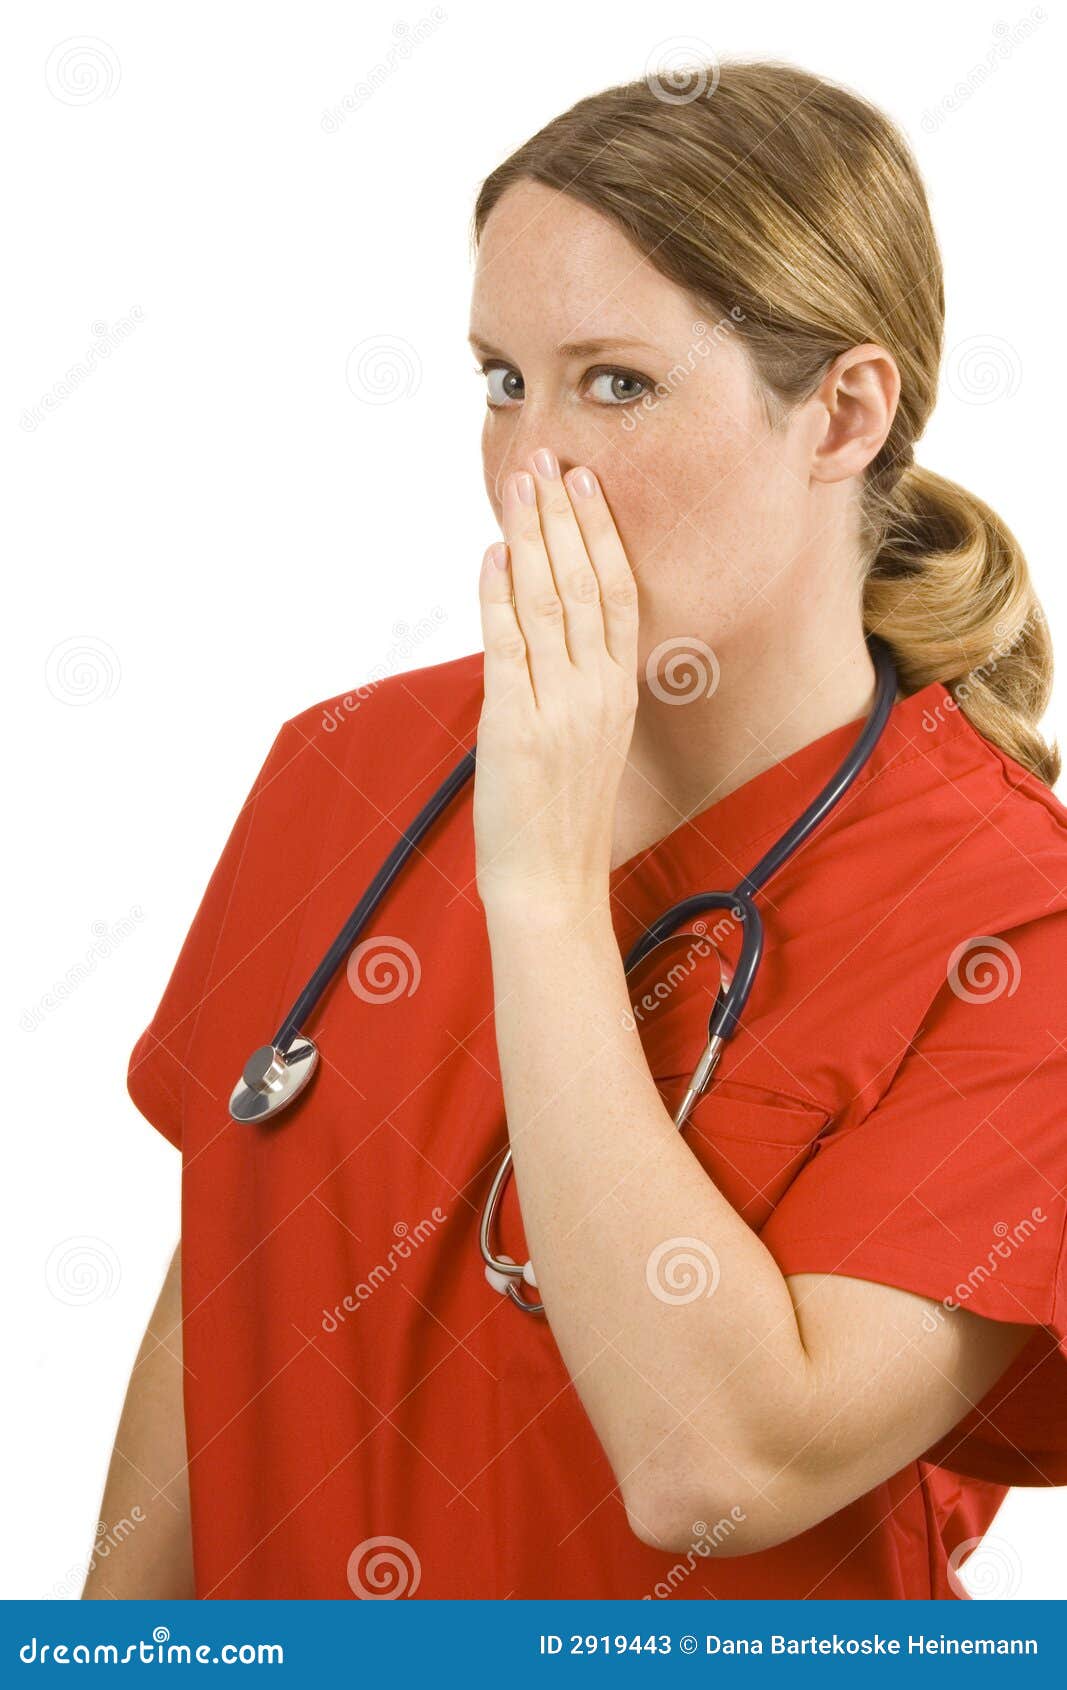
x: 571, y: 348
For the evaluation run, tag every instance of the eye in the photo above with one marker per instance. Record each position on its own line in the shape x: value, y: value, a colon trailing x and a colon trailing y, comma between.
x: 505, y: 385
x: 502, y: 381
x: 621, y: 386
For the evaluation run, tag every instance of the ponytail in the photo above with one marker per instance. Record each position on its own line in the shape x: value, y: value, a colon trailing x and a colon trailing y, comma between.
x: 950, y: 592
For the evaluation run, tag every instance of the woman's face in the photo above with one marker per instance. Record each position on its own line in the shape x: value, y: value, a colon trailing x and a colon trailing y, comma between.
x: 715, y: 509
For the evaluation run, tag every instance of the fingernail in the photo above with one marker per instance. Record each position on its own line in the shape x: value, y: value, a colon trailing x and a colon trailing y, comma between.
x: 583, y: 481
x: 524, y: 486
x: 498, y: 555
x: 545, y: 463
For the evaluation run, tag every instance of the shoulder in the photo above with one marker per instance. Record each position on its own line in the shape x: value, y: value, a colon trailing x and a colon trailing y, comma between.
x: 979, y: 840
x: 1012, y: 793
x: 359, y: 763
x: 1034, y: 809
x: 434, y: 700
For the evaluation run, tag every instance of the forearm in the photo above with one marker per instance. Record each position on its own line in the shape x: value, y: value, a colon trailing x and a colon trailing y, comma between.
x: 689, y: 1394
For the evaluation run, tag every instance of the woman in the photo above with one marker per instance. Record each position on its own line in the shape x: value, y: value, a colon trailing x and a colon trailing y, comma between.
x: 802, y: 1347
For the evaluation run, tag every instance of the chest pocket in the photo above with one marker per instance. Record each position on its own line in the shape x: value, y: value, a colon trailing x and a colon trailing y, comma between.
x: 752, y: 1143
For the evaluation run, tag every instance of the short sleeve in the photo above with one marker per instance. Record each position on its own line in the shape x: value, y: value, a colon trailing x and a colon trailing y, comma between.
x: 952, y: 1187
x: 158, y: 1062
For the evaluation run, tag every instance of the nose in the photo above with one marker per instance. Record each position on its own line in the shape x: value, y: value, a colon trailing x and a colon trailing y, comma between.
x: 535, y: 428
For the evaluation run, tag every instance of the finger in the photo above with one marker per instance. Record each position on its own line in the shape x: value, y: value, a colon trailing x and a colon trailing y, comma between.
x: 574, y: 575
x: 506, y: 671
x: 607, y: 554
x: 538, y: 605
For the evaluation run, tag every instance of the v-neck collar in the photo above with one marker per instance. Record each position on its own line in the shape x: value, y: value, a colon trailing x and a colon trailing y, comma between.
x: 715, y: 848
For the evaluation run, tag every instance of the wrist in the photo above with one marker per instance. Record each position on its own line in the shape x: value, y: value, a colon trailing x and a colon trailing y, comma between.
x: 543, y: 909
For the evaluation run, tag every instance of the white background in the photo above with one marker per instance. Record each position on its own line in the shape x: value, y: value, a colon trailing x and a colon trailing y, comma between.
x: 230, y: 534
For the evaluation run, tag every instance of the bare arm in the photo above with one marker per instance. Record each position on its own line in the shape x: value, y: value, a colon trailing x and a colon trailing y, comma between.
x: 145, y: 1547
x: 737, y: 1400
x: 773, y: 1402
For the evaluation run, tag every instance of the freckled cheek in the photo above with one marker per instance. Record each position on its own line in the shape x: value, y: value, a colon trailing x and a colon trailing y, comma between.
x: 664, y: 494
x: 639, y: 485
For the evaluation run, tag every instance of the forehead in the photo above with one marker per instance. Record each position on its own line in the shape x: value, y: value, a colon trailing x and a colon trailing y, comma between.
x: 549, y: 267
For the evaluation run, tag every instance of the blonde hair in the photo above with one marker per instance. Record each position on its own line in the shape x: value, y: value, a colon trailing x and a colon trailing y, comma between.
x: 796, y: 206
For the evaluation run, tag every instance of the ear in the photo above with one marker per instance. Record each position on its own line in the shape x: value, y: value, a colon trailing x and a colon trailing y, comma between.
x: 859, y: 395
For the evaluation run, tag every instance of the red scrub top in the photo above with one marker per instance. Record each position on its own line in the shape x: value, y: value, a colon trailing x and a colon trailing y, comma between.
x: 365, y: 1416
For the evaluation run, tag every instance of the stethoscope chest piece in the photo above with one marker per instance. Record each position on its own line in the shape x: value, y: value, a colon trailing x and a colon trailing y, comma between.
x: 271, y: 1078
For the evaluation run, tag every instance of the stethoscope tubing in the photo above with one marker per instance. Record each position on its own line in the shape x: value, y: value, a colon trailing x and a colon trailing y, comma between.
x: 307, y: 1002
x: 729, y: 1002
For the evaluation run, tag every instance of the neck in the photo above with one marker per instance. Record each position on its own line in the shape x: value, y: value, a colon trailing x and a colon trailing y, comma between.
x: 779, y: 688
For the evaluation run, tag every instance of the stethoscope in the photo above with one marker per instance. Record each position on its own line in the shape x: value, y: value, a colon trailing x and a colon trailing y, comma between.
x: 277, y: 1073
